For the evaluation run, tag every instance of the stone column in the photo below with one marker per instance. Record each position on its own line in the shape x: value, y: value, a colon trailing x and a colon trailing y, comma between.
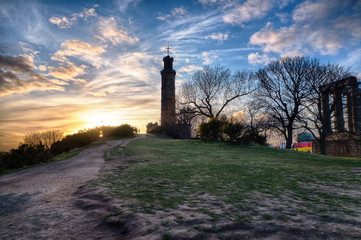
x: 326, y: 112
x: 356, y: 107
x: 350, y: 118
x: 339, y: 120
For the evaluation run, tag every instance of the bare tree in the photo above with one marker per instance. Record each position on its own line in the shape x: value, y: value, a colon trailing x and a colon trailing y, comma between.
x: 211, y: 90
x: 45, y: 138
x: 314, y: 119
x: 283, y: 90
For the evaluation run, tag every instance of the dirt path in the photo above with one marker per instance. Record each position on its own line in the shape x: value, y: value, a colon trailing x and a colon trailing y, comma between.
x: 39, y: 203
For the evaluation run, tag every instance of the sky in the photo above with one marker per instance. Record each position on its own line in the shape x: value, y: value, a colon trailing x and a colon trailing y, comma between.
x: 71, y: 65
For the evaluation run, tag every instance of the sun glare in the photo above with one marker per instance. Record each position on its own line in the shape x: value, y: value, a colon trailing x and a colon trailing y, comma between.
x: 100, y: 119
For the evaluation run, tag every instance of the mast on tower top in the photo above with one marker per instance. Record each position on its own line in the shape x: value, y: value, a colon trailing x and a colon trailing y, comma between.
x: 168, y: 49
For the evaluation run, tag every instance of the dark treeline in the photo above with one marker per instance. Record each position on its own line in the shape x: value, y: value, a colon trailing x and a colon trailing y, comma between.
x: 42, y: 147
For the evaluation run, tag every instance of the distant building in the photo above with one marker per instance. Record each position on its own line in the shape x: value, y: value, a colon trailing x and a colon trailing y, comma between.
x: 152, y: 126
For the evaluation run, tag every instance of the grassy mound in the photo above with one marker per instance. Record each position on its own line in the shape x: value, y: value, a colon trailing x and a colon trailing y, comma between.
x: 176, y: 182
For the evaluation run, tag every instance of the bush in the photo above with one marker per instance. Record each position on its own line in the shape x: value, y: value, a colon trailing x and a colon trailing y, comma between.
x: 24, y: 155
x: 230, y: 131
x: 212, y: 130
x: 30, y: 154
x: 122, y: 131
x: 155, y: 129
x: 233, y: 131
x: 251, y: 136
x: 77, y: 140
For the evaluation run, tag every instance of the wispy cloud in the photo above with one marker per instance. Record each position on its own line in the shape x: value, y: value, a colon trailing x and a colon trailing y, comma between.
x: 247, y: 11
x: 123, y: 5
x: 108, y: 31
x: 192, y: 28
x: 213, y: 2
x: 353, y: 61
x: 208, y: 57
x: 220, y: 37
x: 131, y: 73
x: 88, y: 52
x: 190, y: 68
x: 68, y: 71
x: 256, y: 58
x: 175, y: 13
x: 67, y: 22
x: 27, y: 17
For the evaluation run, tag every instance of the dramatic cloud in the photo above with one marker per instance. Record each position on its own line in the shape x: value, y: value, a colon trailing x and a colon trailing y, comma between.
x: 321, y: 26
x: 220, y: 37
x: 17, y: 75
x: 65, y: 22
x: 175, y: 13
x: 85, y: 51
x: 108, y: 31
x: 251, y: 9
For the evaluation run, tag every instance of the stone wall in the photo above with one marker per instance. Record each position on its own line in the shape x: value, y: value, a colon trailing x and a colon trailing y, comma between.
x: 341, y: 145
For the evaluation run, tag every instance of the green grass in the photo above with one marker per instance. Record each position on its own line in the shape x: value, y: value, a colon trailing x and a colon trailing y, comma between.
x: 67, y: 155
x: 161, y: 173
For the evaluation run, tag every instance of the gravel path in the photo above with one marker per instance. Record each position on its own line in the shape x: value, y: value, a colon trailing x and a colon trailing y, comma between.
x: 39, y: 202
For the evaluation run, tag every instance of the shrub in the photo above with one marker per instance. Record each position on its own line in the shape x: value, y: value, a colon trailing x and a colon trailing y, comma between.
x: 24, y: 155
x: 230, y: 131
x: 124, y: 130
x: 233, y: 131
x: 212, y: 130
x: 155, y: 129
x: 107, y: 130
x: 77, y: 140
x: 251, y: 136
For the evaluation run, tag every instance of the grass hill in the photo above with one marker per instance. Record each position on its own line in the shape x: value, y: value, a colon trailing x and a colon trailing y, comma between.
x: 191, y: 189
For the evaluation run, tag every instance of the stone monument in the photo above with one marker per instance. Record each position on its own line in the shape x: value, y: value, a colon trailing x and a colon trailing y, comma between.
x: 344, y: 133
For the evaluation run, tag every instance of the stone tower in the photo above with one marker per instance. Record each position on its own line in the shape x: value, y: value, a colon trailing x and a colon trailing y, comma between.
x: 168, y: 93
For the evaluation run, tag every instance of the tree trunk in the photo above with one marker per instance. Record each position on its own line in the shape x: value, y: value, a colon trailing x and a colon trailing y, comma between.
x: 322, y: 143
x: 289, y: 137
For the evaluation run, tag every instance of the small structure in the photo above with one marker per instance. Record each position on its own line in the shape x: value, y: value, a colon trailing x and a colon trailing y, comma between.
x: 152, y: 127
x: 341, y: 140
